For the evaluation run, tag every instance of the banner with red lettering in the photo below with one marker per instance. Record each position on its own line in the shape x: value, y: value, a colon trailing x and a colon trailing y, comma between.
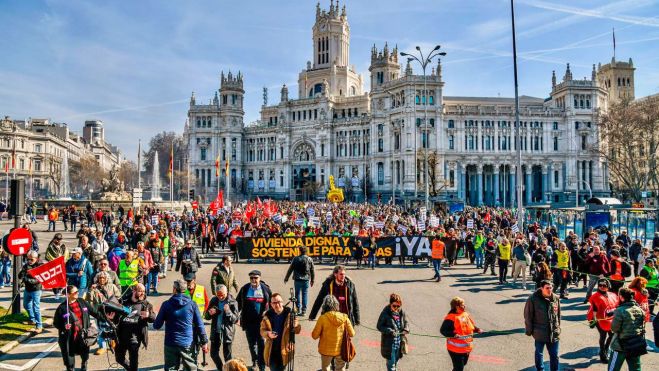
x: 52, y: 275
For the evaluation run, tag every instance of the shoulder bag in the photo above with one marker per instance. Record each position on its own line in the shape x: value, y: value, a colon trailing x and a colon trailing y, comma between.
x: 348, y: 351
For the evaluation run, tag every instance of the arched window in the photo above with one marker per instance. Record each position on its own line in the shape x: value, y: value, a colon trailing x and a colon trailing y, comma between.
x: 353, y: 91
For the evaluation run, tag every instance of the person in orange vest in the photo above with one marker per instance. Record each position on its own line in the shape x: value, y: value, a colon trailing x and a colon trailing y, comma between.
x: 615, y: 271
x: 437, y: 255
x: 600, y: 314
x: 53, y: 215
x: 459, y: 329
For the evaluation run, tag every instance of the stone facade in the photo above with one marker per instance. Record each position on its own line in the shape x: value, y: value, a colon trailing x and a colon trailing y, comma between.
x: 374, y: 142
x: 38, y: 148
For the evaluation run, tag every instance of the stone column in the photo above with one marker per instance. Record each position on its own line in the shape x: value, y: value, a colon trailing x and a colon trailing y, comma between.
x: 529, y: 181
x: 546, y: 187
x: 479, y: 181
x: 496, y: 185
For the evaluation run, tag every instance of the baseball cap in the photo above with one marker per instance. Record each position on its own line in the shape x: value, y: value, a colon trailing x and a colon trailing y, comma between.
x: 76, y: 250
x: 189, y: 276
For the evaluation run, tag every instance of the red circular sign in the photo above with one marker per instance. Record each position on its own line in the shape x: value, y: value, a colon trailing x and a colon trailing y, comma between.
x: 237, y: 215
x: 195, y: 205
x: 19, y: 241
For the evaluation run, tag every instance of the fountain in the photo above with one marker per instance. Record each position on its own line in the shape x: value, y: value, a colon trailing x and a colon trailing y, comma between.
x: 155, y: 181
x: 65, y: 182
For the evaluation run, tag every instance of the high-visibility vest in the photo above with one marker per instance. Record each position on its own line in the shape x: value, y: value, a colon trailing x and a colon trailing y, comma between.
x: 199, y: 297
x: 653, y: 277
x: 562, y: 259
x: 464, y: 327
x: 617, y: 276
x: 128, y: 273
x: 437, y: 251
x: 504, y: 251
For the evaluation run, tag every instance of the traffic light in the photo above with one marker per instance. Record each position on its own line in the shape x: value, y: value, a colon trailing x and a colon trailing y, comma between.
x: 191, y: 195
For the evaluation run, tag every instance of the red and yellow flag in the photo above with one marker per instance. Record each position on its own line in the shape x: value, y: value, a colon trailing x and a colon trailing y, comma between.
x: 226, y: 168
x: 170, y: 170
x: 217, y: 166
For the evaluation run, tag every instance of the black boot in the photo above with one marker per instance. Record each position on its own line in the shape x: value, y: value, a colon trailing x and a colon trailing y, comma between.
x: 603, y: 357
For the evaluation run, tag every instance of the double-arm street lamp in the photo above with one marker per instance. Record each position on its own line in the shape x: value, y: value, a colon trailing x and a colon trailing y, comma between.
x: 424, y: 61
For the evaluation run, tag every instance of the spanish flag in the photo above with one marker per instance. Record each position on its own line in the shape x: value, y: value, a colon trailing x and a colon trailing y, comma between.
x: 217, y: 166
x: 170, y: 171
x: 226, y: 169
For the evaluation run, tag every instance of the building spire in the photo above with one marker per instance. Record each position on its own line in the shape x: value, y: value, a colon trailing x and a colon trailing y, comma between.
x: 408, y: 69
x: 317, y: 10
x: 594, y: 73
x: 553, y: 79
x: 439, y: 68
x: 192, y: 99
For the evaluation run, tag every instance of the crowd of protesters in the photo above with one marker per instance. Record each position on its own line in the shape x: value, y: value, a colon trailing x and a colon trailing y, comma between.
x: 121, y: 255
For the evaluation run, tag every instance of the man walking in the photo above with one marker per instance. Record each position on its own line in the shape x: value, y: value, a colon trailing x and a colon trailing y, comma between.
x: 253, y: 300
x: 542, y: 320
x: 437, y: 255
x: 303, y: 277
x: 32, y: 295
x: 343, y: 289
x: 133, y: 330
x: 627, y: 325
x: 223, y: 313
x: 184, y: 328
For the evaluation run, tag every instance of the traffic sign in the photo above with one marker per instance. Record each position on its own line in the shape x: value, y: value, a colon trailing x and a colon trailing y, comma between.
x: 195, y: 205
x: 19, y: 241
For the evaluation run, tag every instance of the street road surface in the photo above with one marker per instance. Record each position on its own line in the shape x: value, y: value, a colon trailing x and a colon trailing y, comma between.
x: 498, y: 310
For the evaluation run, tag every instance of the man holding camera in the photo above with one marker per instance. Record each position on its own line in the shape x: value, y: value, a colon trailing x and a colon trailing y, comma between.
x: 133, y: 329
x: 188, y: 260
x: 223, y: 313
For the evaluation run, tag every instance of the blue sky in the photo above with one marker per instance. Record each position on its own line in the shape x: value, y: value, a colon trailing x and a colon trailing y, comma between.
x: 133, y: 64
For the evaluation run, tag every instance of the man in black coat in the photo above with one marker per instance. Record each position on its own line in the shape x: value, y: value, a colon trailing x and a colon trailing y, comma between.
x: 253, y: 299
x: 223, y: 312
x: 133, y: 330
x: 187, y: 260
x: 344, y: 290
x: 33, y: 288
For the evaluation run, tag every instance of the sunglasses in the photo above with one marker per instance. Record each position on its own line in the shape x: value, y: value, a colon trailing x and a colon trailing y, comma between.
x: 253, y: 278
x: 395, y: 306
x: 275, y: 302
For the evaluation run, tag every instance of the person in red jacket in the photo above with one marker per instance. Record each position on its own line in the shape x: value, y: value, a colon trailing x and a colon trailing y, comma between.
x: 234, y: 234
x: 600, y: 313
x: 597, y: 265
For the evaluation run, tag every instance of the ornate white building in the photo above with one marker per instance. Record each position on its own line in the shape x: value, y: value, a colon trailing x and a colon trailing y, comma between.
x: 369, y: 140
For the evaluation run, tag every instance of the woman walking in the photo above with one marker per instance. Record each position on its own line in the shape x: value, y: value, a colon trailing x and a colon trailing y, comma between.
x: 330, y: 329
x: 459, y: 329
x: 72, y: 321
x: 393, y: 326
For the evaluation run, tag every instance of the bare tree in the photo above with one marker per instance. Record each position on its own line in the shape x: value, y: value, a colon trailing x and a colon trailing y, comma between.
x: 630, y: 145
x: 128, y: 174
x: 162, y: 143
x: 86, y: 174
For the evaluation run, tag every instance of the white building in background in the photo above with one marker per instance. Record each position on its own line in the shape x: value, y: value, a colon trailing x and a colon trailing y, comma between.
x: 35, y: 149
x: 374, y: 142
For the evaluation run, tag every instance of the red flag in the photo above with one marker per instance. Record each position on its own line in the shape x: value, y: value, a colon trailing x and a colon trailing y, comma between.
x: 7, y: 166
x: 249, y: 211
x: 259, y: 204
x: 220, y: 199
x: 52, y: 275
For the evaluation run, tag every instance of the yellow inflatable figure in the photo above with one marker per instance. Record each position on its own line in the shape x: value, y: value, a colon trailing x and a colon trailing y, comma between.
x: 334, y: 195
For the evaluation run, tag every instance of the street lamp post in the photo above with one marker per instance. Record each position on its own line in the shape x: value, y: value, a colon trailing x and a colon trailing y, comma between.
x: 424, y: 61
x: 520, y: 210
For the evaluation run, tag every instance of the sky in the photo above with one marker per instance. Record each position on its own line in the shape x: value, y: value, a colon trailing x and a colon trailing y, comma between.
x: 134, y: 64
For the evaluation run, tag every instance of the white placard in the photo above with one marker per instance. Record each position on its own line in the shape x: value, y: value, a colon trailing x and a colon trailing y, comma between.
x: 470, y: 223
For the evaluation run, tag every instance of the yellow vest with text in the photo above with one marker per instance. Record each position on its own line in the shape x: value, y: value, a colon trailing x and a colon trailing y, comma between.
x: 199, y: 297
x: 562, y: 259
x: 504, y: 251
x: 128, y: 273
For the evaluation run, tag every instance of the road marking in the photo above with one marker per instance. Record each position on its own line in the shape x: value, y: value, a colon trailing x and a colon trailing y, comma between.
x: 31, y: 363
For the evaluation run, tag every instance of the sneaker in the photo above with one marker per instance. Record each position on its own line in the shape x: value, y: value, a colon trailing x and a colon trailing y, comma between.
x: 100, y: 351
x: 37, y: 330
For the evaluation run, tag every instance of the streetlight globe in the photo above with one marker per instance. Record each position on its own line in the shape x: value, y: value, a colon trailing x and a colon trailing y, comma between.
x: 437, y: 47
x: 417, y: 48
x: 403, y: 54
x: 442, y: 54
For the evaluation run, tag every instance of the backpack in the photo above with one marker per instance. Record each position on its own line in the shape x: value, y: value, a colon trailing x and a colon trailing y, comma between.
x: 626, y: 269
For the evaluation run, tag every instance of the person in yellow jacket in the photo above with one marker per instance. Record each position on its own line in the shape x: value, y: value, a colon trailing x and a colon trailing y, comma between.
x: 459, y: 329
x: 504, y: 250
x: 196, y: 292
x: 562, y: 265
x: 329, y: 329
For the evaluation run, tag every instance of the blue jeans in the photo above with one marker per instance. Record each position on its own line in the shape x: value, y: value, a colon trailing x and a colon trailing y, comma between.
x: 437, y: 265
x: 552, y: 349
x: 31, y: 301
x: 301, y: 291
x: 370, y: 262
x: 151, y: 281
x: 393, y: 360
x: 5, y: 273
x: 479, y: 258
x: 51, y: 223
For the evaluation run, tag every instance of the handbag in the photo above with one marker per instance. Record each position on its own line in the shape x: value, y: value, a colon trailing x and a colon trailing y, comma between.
x: 404, y: 348
x: 634, y: 346
x: 348, y: 351
x: 90, y: 335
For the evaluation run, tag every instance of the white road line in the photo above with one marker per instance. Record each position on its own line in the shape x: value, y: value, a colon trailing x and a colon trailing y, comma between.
x: 31, y: 363
x: 38, y: 343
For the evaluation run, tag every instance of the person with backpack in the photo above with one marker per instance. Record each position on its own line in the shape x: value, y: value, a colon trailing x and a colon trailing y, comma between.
x: 304, y: 277
x: 79, y: 271
x: 618, y: 271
